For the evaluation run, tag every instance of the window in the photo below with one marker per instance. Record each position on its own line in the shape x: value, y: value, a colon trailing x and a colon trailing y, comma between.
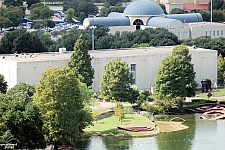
x: 218, y: 33
x: 214, y: 33
x: 221, y: 32
x: 133, y: 67
x: 210, y: 33
x: 205, y: 33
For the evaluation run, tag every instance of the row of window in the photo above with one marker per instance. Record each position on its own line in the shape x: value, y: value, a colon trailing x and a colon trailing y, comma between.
x: 219, y: 33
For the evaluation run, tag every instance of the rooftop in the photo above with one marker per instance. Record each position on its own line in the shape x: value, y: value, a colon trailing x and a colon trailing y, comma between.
x: 95, y: 54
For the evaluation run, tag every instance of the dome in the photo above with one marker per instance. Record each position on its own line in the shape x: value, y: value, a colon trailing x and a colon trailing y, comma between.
x: 143, y: 8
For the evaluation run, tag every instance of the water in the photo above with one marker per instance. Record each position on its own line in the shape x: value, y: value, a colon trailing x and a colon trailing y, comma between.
x: 201, y: 135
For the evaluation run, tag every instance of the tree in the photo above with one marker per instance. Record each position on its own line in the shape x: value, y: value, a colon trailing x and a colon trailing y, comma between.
x: 21, y: 41
x: 61, y: 99
x: 31, y: 2
x: 23, y: 120
x: 80, y: 6
x: 106, y: 11
x: 217, y: 5
x: 80, y: 60
x: 95, y: 115
x: 163, y: 8
x: 70, y: 14
x: 4, y: 22
x: 177, y: 11
x: 3, y: 84
x: 22, y: 90
x: 9, y: 3
x: 118, y: 110
x: 220, y: 69
x: 116, y: 82
x: 14, y: 14
x: 175, y: 77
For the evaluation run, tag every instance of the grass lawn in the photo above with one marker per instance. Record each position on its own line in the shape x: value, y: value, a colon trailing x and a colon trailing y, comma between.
x: 109, y: 125
x: 217, y: 93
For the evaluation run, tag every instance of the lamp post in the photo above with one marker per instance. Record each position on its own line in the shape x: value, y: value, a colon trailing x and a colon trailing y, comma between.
x: 44, y: 2
x: 211, y: 10
x: 93, y: 42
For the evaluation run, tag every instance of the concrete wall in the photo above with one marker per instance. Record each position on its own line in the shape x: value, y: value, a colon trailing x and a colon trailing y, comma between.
x: 9, y: 69
x: 205, y: 65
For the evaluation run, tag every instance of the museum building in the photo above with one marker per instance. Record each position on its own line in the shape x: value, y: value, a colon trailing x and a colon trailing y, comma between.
x: 141, y: 14
x: 143, y: 62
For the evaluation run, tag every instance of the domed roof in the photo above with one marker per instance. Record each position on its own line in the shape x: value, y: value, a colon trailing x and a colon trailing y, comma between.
x: 143, y: 8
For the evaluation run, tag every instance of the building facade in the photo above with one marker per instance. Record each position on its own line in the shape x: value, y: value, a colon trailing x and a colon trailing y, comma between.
x: 143, y: 62
x: 143, y: 14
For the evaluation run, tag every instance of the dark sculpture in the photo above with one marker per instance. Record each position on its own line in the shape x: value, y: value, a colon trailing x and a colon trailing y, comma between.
x: 206, y: 85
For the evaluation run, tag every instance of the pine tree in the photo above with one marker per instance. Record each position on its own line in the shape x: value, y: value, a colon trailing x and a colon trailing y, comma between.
x: 80, y: 60
x: 175, y: 76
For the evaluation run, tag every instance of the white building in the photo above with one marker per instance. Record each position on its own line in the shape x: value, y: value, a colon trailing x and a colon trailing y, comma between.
x: 142, y: 14
x: 144, y: 63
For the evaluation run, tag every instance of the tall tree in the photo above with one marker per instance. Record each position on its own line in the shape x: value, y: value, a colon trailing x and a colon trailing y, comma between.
x: 80, y: 61
x: 220, y: 69
x: 3, y: 84
x: 118, y: 110
x: 61, y: 99
x: 116, y: 82
x: 23, y: 120
x: 175, y: 76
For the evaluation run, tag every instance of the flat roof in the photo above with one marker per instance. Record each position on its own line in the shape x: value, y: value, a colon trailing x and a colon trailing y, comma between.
x: 205, y: 24
x: 105, y: 53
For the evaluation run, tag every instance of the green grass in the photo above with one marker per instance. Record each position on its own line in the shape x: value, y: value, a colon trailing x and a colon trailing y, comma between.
x: 217, y: 93
x: 109, y: 125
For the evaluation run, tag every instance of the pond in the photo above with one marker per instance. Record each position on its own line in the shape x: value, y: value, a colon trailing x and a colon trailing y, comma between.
x: 201, y: 134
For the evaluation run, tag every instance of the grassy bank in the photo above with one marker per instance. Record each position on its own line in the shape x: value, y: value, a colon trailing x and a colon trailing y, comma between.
x: 109, y: 126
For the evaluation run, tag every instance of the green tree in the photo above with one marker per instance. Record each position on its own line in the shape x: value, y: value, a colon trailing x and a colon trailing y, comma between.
x: 220, y: 69
x: 95, y: 115
x: 3, y: 84
x: 116, y: 82
x: 14, y: 14
x: 118, y: 110
x: 177, y: 11
x: 21, y: 41
x: 70, y: 14
x: 217, y: 4
x: 175, y: 76
x: 9, y: 3
x: 106, y: 11
x: 4, y: 22
x: 80, y: 6
x: 61, y: 99
x: 22, y: 90
x: 23, y: 120
x: 31, y: 2
x: 80, y: 60
x: 163, y: 8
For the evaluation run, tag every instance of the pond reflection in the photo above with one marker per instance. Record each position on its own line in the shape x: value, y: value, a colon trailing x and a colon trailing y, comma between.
x: 201, y: 134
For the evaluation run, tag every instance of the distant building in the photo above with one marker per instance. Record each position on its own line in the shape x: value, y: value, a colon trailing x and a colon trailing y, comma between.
x: 186, y: 5
x: 143, y: 14
x: 143, y: 62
